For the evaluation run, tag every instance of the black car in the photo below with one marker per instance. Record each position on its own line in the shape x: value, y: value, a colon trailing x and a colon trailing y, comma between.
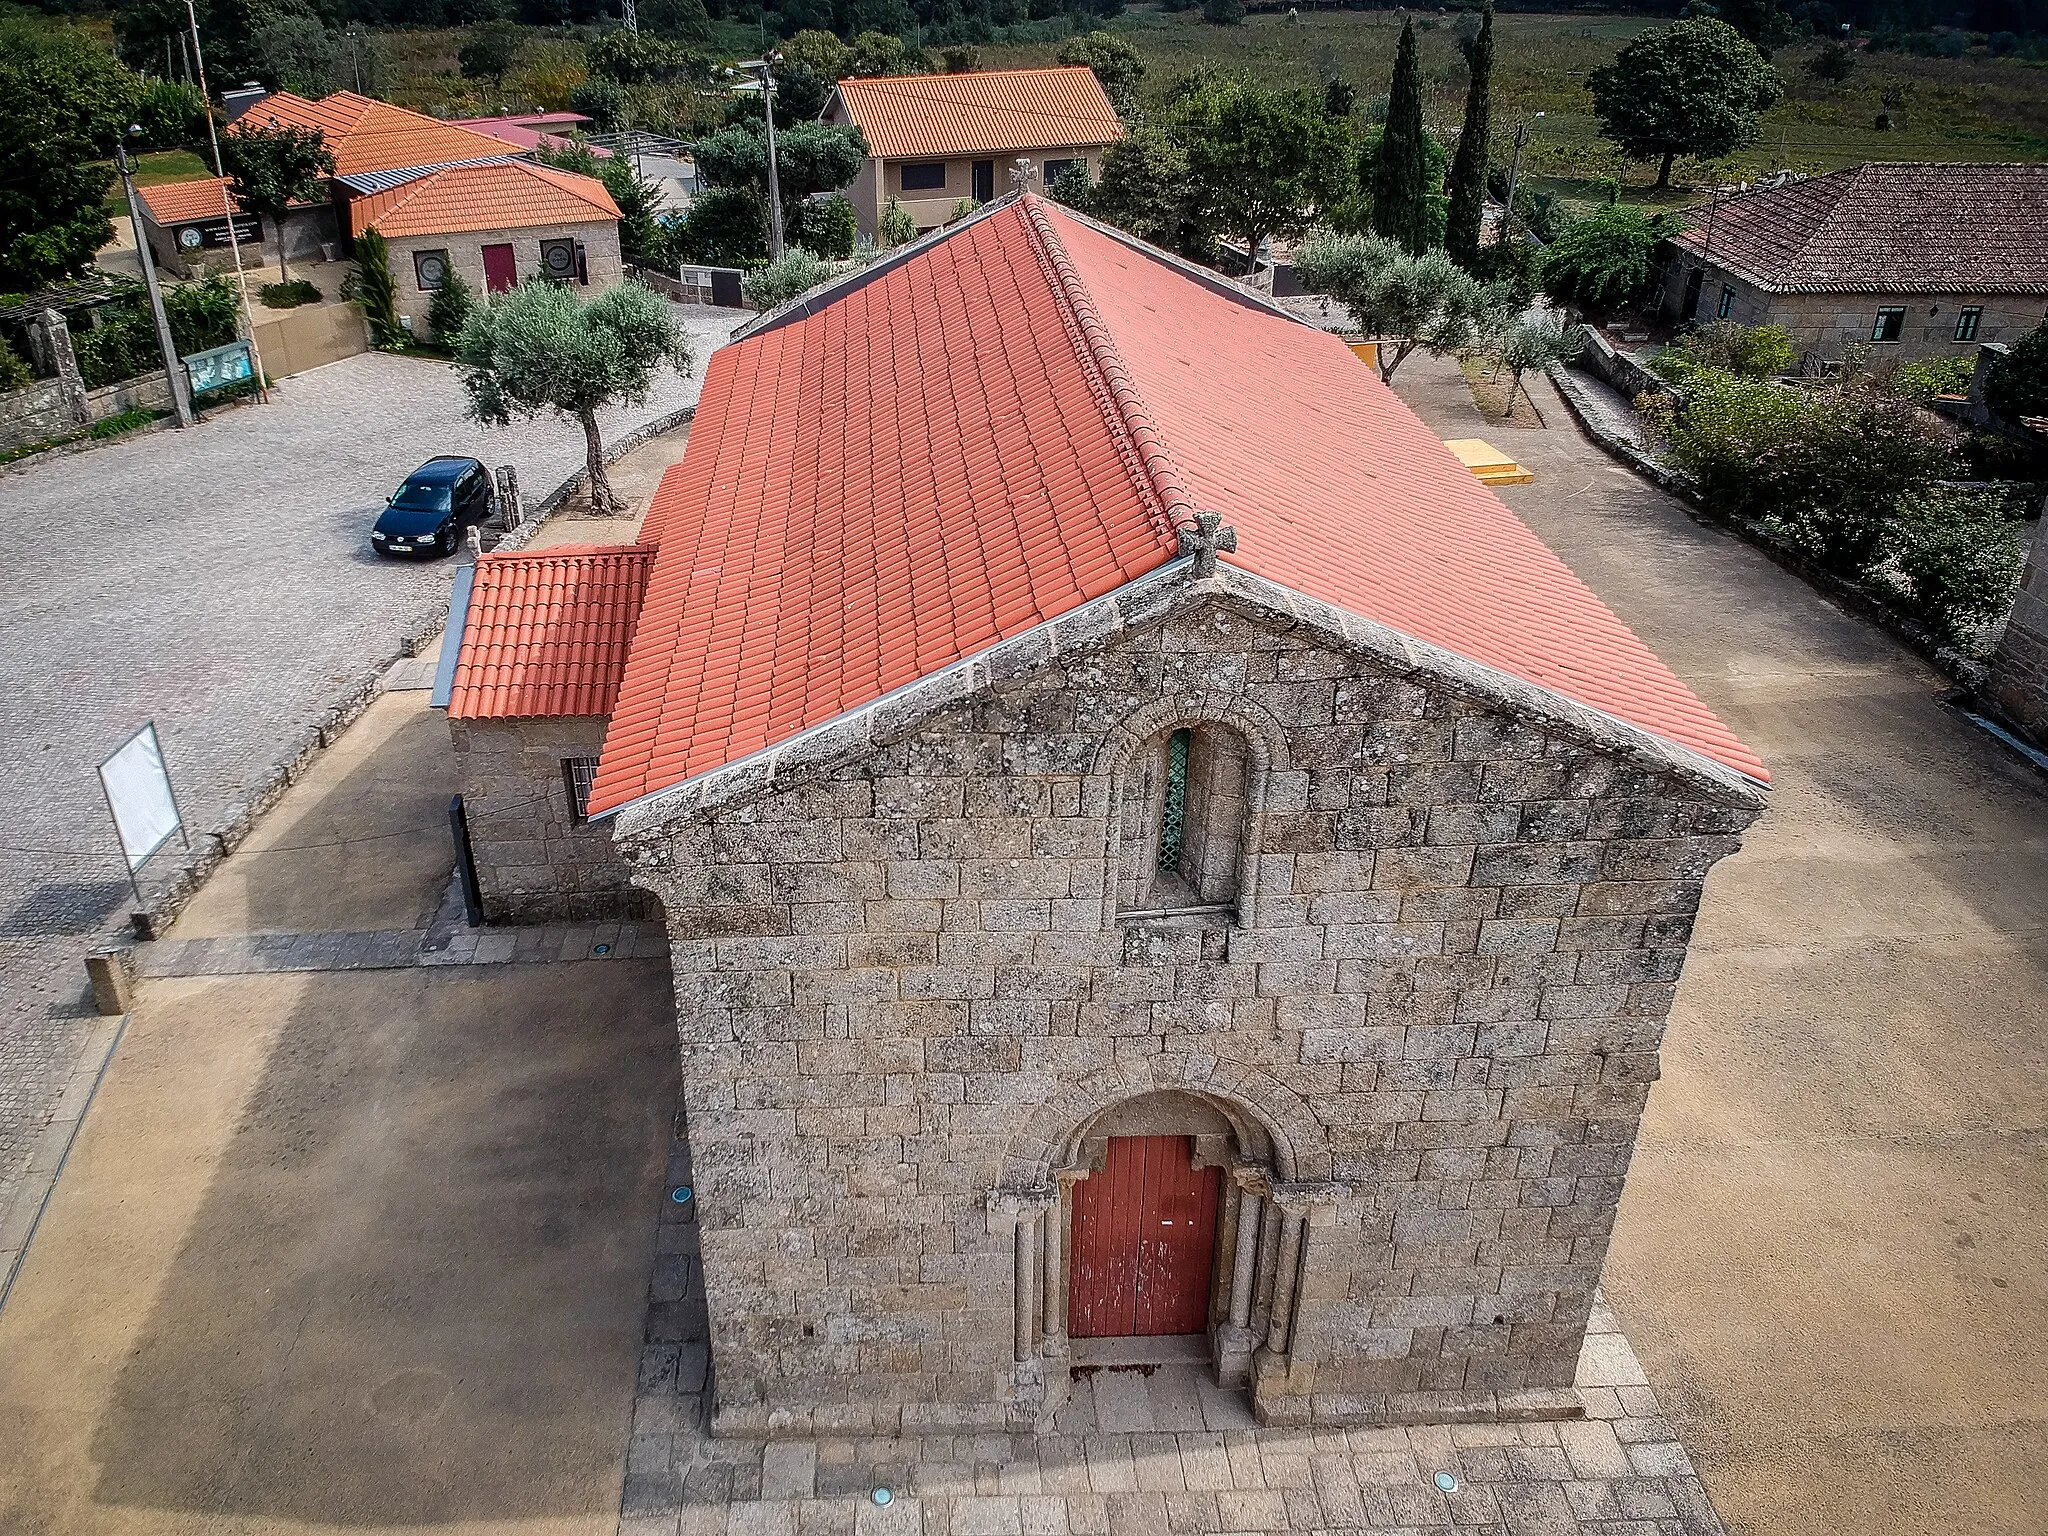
x: 427, y: 514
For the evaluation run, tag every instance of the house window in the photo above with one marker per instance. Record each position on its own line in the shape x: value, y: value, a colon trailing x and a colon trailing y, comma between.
x: 1888, y: 324
x: 430, y: 269
x: 1967, y: 322
x: 579, y: 773
x: 1727, y: 304
x: 1186, y: 801
x: 1055, y: 169
x: 924, y: 176
x: 558, y: 260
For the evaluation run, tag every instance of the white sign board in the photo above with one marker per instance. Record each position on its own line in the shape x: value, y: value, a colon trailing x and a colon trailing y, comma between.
x: 138, y: 789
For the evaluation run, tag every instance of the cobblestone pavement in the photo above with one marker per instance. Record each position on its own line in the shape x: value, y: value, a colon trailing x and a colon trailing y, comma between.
x: 1140, y: 1454
x: 218, y: 581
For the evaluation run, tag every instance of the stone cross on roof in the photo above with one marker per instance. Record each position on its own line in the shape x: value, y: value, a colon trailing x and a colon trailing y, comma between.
x: 1205, y: 539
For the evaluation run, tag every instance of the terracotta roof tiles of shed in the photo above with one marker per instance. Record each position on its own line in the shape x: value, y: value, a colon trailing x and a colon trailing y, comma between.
x: 370, y: 135
x: 981, y: 436
x: 983, y: 112
x: 495, y: 194
x: 1886, y: 228
x: 546, y: 631
x: 185, y: 202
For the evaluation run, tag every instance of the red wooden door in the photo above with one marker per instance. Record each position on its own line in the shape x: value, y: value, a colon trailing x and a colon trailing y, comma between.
x: 1144, y: 1242
x: 500, y: 270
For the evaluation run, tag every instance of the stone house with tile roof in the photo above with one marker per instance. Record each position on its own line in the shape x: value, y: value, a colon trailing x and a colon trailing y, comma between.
x: 1159, y: 861
x: 1909, y: 259
x: 935, y: 139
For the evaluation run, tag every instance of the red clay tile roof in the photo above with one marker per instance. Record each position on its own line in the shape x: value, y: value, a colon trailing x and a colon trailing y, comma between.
x: 1886, y: 228
x: 1002, y: 426
x: 546, y: 631
x: 505, y: 194
x: 367, y: 135
x: 185, y: 202
x: 985, y: 112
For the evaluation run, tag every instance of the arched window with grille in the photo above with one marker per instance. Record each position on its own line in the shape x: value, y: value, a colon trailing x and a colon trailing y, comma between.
x: 1186, y: 801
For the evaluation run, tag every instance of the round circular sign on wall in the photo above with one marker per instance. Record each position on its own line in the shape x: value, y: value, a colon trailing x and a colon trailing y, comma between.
x: 433, y: 269
x: 190, y: 239
x: 559, y: 258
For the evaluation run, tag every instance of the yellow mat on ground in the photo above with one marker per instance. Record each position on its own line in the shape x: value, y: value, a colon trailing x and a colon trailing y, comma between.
x: 1487, y: 462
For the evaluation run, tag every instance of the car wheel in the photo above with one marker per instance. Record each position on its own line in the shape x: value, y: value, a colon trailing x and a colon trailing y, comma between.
x: 445, y: 540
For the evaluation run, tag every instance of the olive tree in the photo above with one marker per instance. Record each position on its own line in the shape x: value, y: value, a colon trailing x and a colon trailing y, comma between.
x: 539, y: 347
x: 1409, y: 301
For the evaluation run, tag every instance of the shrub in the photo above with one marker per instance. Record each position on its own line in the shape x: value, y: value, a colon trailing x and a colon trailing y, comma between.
x: 828, y: 227
x: 15, y: 372
x: 202, y: 314
x: 450, y: 308
x: 1602, y: 261
x: 1753, y: 351
x: 795, y: 272
x: 289, y: 295
x: 122, y: 421
x: 122, y: 345
x: 603, y: 102
x: 370, y: 286
x: 726, y: 227
x: 1823, y: 467
x: 1954, y: 560
x: 2018, y: 385
x: 1927, y: 377
x: 897, y: 226
x: 171, y: 114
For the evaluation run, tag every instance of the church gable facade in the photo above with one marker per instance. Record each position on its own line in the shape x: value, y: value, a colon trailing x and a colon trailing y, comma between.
x: 1210, y: 969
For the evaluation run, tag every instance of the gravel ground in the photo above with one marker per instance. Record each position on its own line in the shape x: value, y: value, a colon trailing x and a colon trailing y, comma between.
x: 220, y: 582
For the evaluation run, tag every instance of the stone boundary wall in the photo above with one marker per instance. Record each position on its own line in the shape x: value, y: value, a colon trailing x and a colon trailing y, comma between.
x: 2018, y: 683
x: 904, y: 991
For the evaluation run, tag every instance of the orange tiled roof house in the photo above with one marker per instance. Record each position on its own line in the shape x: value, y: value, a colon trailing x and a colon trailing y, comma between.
x: 1157, y: 858
x: 447, y: 198
x: 935, y: 139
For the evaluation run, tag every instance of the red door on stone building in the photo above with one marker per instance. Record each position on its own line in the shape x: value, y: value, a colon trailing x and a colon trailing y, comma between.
x: 500, y: 270
x: 1144, y: 1241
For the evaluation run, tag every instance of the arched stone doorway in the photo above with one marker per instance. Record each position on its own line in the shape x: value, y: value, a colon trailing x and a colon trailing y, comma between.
x: 1104, y: 1280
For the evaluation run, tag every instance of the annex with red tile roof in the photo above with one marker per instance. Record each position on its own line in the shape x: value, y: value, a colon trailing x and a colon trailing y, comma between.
x: 983, y: 112
x: 1017, y: 416
x: 545, y: 632
x: 1884, y: 228
x: 369, y: 135
x: 185, y: 202
x: 498, y: 194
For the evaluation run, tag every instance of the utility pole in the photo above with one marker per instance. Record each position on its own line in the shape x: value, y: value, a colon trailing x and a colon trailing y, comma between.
x: 181, y: 399
x: 1515, y: 171
x: 630, y: 15
x: 227, y: 204
x: 767, y: 90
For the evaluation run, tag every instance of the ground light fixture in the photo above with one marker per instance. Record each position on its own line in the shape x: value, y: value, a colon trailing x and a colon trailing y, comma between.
x: 682, y: 1194
x: 1446, y: 1482
x: 883, y: 1496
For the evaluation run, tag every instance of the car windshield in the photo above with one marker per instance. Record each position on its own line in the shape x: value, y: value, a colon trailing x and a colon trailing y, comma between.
x: 423, y: 495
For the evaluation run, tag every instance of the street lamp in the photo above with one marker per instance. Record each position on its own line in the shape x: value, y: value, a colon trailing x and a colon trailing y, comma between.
x: 1515, y: 170
x: 766, y: 86
x: 181, y: 400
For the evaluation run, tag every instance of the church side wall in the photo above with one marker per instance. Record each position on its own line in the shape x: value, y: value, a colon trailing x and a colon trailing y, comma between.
x: 901, y: 990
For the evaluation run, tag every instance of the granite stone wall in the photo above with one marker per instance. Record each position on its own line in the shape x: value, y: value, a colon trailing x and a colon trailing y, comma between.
x: 1420, y: 1044
x: 535, y: 862
x: 2018, y: 684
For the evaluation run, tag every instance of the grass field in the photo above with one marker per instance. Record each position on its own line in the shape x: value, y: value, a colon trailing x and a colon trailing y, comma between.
x: 1975, y: 108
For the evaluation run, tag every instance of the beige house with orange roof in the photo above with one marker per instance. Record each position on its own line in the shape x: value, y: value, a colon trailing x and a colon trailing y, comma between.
x: 494, y: 223
x: 935, y: 139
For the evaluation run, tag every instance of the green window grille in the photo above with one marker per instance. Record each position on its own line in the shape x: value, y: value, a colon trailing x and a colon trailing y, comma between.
x: 1173, y: 823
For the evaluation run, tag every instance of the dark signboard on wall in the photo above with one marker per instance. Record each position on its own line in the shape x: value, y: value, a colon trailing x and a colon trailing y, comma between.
x: 212, y: 235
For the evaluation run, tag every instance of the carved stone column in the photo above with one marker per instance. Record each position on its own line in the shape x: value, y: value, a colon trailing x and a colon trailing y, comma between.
x: 1235, y: 1339
x: 1023, y: 1210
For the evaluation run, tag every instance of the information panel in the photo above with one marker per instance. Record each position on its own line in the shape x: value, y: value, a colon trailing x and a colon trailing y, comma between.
x: 138, y: 789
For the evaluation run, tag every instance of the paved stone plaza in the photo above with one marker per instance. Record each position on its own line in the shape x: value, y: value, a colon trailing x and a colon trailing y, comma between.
x: 220, y: 582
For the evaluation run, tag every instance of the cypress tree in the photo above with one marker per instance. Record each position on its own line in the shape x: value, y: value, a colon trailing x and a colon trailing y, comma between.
x: 1400, y: 182
x: 1468, y: 170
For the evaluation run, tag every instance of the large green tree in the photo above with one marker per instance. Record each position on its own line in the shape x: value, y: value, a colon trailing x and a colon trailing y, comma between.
x: 272, y: 165
x: 1116, y: 63
x: 1468, y: 168
x: 490, y: 50
x: 64, y: 102
x: 809, y: 158
x: 1603, y: 262
x: 1400, y: 185
x: 540, y: 347
x: 1145, y: 188
x: 1261, y: 162
x: 1694, y: 87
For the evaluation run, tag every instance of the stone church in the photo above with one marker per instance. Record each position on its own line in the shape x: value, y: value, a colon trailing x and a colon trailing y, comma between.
x: 1159, y: 861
